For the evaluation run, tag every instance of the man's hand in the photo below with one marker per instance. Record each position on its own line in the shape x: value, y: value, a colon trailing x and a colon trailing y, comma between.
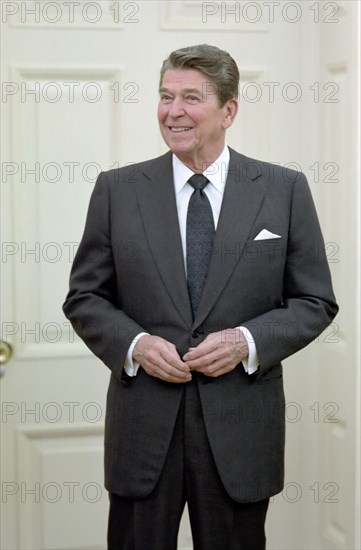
x: 159, y: 358
x: 219, y: 353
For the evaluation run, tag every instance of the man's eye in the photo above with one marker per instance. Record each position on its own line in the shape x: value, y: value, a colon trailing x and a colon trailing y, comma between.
x: 165, y: 97
x: 192, y: 98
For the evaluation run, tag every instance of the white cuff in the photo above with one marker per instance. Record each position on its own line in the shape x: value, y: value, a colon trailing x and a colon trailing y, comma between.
x: 250, y: 364
x: 131, y: 367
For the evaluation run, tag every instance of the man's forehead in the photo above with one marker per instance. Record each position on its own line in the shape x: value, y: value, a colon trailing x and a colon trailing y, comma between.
x: 187, y: 79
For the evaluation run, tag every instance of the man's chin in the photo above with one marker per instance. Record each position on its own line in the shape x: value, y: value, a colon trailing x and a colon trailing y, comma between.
x: 180, y: 148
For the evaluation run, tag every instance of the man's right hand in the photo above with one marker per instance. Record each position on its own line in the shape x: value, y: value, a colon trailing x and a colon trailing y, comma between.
x: 159, y: 358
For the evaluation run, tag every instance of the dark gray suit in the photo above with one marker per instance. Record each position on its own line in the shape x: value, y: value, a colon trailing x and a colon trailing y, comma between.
x: 128, y: 277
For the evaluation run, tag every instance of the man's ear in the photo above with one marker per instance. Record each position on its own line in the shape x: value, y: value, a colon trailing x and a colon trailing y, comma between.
x: 230, y: 112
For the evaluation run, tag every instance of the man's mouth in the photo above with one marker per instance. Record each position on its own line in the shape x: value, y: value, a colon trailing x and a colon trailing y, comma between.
x: 178, y: 129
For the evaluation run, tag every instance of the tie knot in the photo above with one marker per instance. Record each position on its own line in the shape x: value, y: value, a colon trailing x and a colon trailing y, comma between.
x: 198, y: 181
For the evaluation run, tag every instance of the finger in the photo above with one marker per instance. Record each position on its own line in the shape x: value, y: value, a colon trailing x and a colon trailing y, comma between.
x: 213, y: 356
x: 217, y: 369
x: 197, y: 352
x: 169, y: 378
x: 172, y: 358
x: 219, y: 372
x: 170, y: 375
x: 207, y: 346
x: 168, y: 370
x: 163, y: 353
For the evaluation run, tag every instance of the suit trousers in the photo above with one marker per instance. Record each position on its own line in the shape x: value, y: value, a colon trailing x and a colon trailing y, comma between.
x: 189, y: 475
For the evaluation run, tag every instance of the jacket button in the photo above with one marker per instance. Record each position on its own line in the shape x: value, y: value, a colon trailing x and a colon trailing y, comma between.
x: 195, y: 334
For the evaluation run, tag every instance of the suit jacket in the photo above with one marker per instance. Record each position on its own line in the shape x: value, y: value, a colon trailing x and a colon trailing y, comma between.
x: 128, y: 276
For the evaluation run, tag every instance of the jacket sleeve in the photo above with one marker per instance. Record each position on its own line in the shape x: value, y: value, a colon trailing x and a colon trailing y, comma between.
x: 308, y: 302
x: 91, y: 301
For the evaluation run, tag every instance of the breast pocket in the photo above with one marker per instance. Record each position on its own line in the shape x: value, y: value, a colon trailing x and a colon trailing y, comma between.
x: 265, y: 252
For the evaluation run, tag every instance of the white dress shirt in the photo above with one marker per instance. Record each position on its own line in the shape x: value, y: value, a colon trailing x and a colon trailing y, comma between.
x: 217, y: 175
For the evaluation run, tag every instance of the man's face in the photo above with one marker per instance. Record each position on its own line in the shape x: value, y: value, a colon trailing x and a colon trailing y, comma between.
x: 190, y: 119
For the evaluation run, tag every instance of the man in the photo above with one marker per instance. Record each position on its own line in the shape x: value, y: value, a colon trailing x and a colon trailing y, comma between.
x: 198, y: 273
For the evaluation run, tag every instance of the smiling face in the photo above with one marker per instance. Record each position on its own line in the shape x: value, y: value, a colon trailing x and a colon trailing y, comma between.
x: 192, y: 123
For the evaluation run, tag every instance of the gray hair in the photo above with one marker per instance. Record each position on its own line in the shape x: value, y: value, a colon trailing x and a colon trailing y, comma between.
x: 214, y: 63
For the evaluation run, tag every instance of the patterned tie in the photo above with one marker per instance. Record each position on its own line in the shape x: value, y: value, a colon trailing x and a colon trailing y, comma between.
x: 200, y: 235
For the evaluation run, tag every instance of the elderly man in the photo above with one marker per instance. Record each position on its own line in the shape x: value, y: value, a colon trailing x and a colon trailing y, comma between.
x: 197, y: 274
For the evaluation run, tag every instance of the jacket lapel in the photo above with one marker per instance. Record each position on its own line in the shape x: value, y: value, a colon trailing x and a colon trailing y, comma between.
x: 242, y: 199
x: 157, y: 202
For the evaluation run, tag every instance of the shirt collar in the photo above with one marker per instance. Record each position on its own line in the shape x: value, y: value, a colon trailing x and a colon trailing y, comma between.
x: 216, y: 172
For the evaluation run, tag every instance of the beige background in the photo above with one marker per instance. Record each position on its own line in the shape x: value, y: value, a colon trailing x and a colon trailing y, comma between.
x: 79, y: 95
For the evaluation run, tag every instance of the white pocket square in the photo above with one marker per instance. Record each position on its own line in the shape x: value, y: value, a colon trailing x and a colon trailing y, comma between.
x: 265, y: 234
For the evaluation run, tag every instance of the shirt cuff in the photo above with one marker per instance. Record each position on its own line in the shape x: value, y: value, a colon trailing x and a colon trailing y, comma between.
x: 250, y: 364
x: 131, y: 367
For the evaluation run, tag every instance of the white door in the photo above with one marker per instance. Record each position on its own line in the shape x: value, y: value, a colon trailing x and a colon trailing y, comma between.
x: 340, y: 359
x: 79, y: 95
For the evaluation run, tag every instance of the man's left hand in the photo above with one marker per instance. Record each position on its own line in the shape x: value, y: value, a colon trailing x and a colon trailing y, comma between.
x: 219, y: 353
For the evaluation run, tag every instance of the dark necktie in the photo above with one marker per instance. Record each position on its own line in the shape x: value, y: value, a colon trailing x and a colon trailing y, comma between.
x: 200, y: 235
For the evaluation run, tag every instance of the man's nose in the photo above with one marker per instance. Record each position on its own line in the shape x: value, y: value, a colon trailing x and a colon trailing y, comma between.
x: 176, y: 108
